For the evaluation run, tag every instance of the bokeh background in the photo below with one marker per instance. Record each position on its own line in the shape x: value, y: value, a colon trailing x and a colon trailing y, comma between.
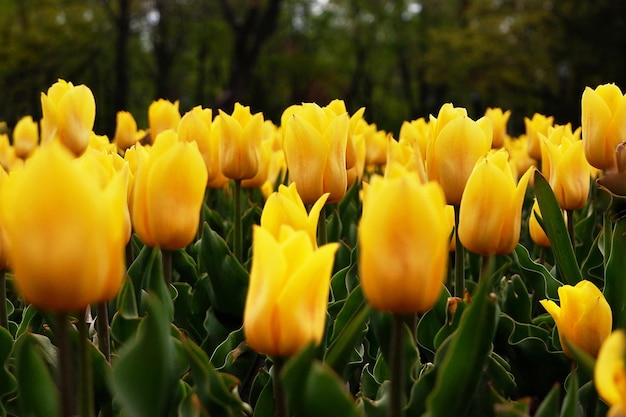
x: 401, y: 59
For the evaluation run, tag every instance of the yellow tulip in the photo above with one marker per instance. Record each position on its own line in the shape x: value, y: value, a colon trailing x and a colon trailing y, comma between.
x: 401, y: 157
x: 403, y: 247
x: 499, y: 120
x: 603, y: 124
x: 453, y: 151
x: 416, y: 134
x: 565, y: 168
x: 288, y: 293
x: 538, y: 124
x: 240, y: 142
x: 610, y: 373
x: 25, y: 137
x: 162, y: 115
x: 584, y: 318
x: 537, y: 234
x: 168, y: 191
x: 315, y: 144
x: 7, y: 153
x: 69, y: 113
x: 491, y: 210
x: 126, y: 133
x: 519, y: 159
x: 65, y: 232
x: 285, y: 207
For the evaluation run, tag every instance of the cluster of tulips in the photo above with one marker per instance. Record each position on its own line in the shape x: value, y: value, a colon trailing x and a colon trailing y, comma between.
x: 75, y: 207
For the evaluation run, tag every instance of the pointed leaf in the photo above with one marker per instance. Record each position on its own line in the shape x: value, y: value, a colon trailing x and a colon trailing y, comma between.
x: 615, y: 285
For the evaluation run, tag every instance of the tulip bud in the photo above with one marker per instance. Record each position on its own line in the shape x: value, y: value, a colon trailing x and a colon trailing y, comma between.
x: 168, y: 192
x: 403, y: 247
x: 65, y: 232
x: 490, y: 222
x: 25, y: 137
x: 240, y: 142
x: 69, y: 113
x: 538, y: 124
x: 583, y: 319
x: 126, y: 133
x: 162, y: 115
x: 603, y: 124
x: 499, y: 120
x: 288, y: 294
x: 610, y: 372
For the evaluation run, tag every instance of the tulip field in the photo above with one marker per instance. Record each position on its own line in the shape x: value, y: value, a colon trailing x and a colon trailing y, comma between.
x: 214, y: 263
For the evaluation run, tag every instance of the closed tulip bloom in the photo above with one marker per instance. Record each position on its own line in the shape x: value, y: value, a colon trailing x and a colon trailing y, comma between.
x: 69, y: 113
x: 584, y: 318
x: 454, y: 152
x: 403, y: 247
x: 285, y: 207
x: 315, y: 149
x: 537, y: 234
x: 126, y: 133
x: 603, y: 124
x: 415, y: 133
x: 65, y: 232
x: 538, y: 124
x: 25, y: 137
x: 168, y: 191
x: 519, y: 159
x: 566, y: 169
x: 499, y: 120
x: 491, y: 210
x: 288, y: 293
x: 240, y: 142
x: 162, y: 115
x: 610, y: 373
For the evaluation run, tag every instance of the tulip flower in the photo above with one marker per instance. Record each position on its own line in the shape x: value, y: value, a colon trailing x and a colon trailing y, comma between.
x: 538, y: 124
x: 315, y: 149
x: 491, y: 209
x: 288, y: 293
x: 162, y: 115
x: 25, y: 137
x: 537, y: 234
x: 126, y: 133
x: 69, y: 113
x: 65, y: 232
x: 499, y: 120
x: 610, y: 373
x: 603, y: 124
x: 168, y: 191
x: 453, y: 151
x: 566, y: 169
x: 240, y: 142
x: 519, y: 159
x: 416, y: 134
x: 584, y: 317
x: 403, y: 247
x: 285, y: 207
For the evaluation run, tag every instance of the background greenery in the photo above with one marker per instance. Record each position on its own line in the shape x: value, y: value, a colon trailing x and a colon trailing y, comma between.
x: 400, y: 58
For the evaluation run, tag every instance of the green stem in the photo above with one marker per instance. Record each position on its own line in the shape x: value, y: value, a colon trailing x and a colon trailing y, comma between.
x: 280, y: 401
x: 570, y: 227
x: 396, y: 367
x: 237, y: 223
x: 102, y: 328
x: 322, y: 237
x: 66, y: 380
x: 166, y: 260
x: 4, y: 319
x: 459, y: 258
x: 86, y: 396
x: 607, y: 229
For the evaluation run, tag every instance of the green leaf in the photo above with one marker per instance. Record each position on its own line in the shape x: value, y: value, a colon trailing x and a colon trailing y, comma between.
x: 8, y: 384
x: 461, y: 368
x: 515, y: 300
x: 570, y: 402
x: 348, y: 331
x: 228, y: 280
x: 143, y: 377
x: 215, y: 390
x: 37, y: 391
x: 549, y: 407
x: 540, y: 279
x: 557, y: 232
x: 185, y: 265
x: 431, y: 322
x: 127, y: 301
x: 614, y: 284
x: 313, y: 389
